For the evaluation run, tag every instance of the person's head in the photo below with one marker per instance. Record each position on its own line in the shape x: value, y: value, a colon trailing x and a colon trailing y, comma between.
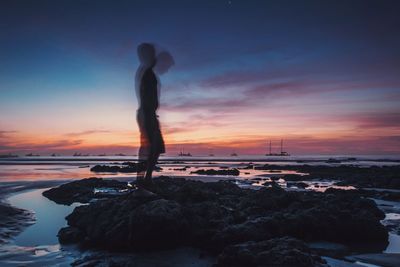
x: 164, y: 62
x: 147, y: 54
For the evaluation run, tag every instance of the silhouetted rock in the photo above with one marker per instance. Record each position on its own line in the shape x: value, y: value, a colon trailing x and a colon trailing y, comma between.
x: 234, y: 172
x: 250, y: 166
x: 298, y: 184
x: 285, y: 251
x: 180, y: 169
x: 294, y: 177
x: 80, y: 191
x: 131, y: 167
x: 271, y: 183
x: 70, y: 235
x: 368, y: 177
x: 216, y: 215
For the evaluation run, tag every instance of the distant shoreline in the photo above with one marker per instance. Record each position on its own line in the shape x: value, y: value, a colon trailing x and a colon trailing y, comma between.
x: 247, y: 158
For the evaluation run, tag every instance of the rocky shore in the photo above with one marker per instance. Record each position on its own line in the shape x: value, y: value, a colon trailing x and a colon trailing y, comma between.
x: 361, y: 177
x: 266, y: 227
x: 234, y: 172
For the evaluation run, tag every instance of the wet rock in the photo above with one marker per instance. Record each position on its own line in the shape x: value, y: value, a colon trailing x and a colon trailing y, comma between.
x: 216, y: 215
x: 131, y: 167
x: 70, y: 235
x: 283, y: 251
x: 294, y: 177
x: 368, y: 177
x: 234, y: 172
x: 158, y: 223
x: 271, y: 183
x: 342, y: 218
x: 298, y: 185
x: 381, y: 259
x: 180, y: 169
x: 80, y: 191
x: 248, y: 167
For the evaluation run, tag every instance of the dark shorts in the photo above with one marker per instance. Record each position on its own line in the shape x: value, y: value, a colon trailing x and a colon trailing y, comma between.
x: 151, y: 138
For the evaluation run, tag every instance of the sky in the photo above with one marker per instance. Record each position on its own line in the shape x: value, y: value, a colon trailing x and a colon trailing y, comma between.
x: 321, y: 75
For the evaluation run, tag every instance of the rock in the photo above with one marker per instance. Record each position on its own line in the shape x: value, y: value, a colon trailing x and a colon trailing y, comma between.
x: 250, y: 166
x: 369, y: 177
x: 80, y: 191
x: 70, y: 235
x: 381, y: 259
x: 234, y: 172
x: 180, y: 169
x: 301, y: 185
x: 283, y: 251
x: 341, y: 217
x: 131, y: 167
x: 157, y: 224
x: 216, y: 215
x: 294, y: 177
x: 271, y: 183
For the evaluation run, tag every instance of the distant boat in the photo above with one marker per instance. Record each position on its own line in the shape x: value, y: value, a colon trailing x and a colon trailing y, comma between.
x: 332, y: 160
x: 120, y: 155
x: 234, y: 154
x: 9, y: 155
x: 32, y: 155
x: 183, y: 154
x: 281, y: 154
x: 211, y: 153
x: 77, y: 154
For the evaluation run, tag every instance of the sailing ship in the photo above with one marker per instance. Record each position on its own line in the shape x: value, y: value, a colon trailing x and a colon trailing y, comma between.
x: 281, y: 154
x: 183, y: 154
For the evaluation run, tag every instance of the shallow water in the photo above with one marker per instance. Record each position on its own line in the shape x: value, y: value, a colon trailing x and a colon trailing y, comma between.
x: 50, y: 217
x: 49, y: 168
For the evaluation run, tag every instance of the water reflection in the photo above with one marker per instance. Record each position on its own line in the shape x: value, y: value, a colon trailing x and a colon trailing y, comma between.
x: 50, y: 217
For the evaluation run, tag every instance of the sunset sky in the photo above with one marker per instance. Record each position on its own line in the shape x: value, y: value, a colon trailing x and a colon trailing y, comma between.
x: 322, y: 75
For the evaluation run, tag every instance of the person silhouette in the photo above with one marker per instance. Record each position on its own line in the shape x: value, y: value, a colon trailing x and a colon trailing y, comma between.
x: 147, y: 92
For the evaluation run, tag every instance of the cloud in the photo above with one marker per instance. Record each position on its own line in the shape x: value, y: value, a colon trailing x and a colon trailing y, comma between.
x: 5, y: 134
x: 379, y: 120
x: 206, y: 104
x: 88, y: 132
x: 18, y: 146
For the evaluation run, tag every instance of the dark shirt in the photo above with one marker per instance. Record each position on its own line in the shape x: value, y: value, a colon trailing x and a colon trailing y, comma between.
x: 148, y: 92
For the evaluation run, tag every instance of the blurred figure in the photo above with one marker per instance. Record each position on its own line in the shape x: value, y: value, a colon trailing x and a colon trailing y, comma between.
x: 147, y: 92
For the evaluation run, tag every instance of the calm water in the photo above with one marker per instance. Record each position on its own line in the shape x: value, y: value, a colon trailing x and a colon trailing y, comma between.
x: 50, y: 168
x: 50, y: 217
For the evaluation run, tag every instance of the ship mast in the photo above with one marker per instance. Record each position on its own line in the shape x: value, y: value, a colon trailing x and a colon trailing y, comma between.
x: 270, y: 147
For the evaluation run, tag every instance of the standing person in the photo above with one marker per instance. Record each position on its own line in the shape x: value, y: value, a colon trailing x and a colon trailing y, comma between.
x: 147, y: 92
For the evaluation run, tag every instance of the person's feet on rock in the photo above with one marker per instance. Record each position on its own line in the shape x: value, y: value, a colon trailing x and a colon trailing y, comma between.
x: 144, y: 187
x: 142, y: 193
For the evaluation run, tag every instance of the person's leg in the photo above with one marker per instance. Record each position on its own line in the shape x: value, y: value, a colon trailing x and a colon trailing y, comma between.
x: 144, y: 150
x: 151, y: 164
